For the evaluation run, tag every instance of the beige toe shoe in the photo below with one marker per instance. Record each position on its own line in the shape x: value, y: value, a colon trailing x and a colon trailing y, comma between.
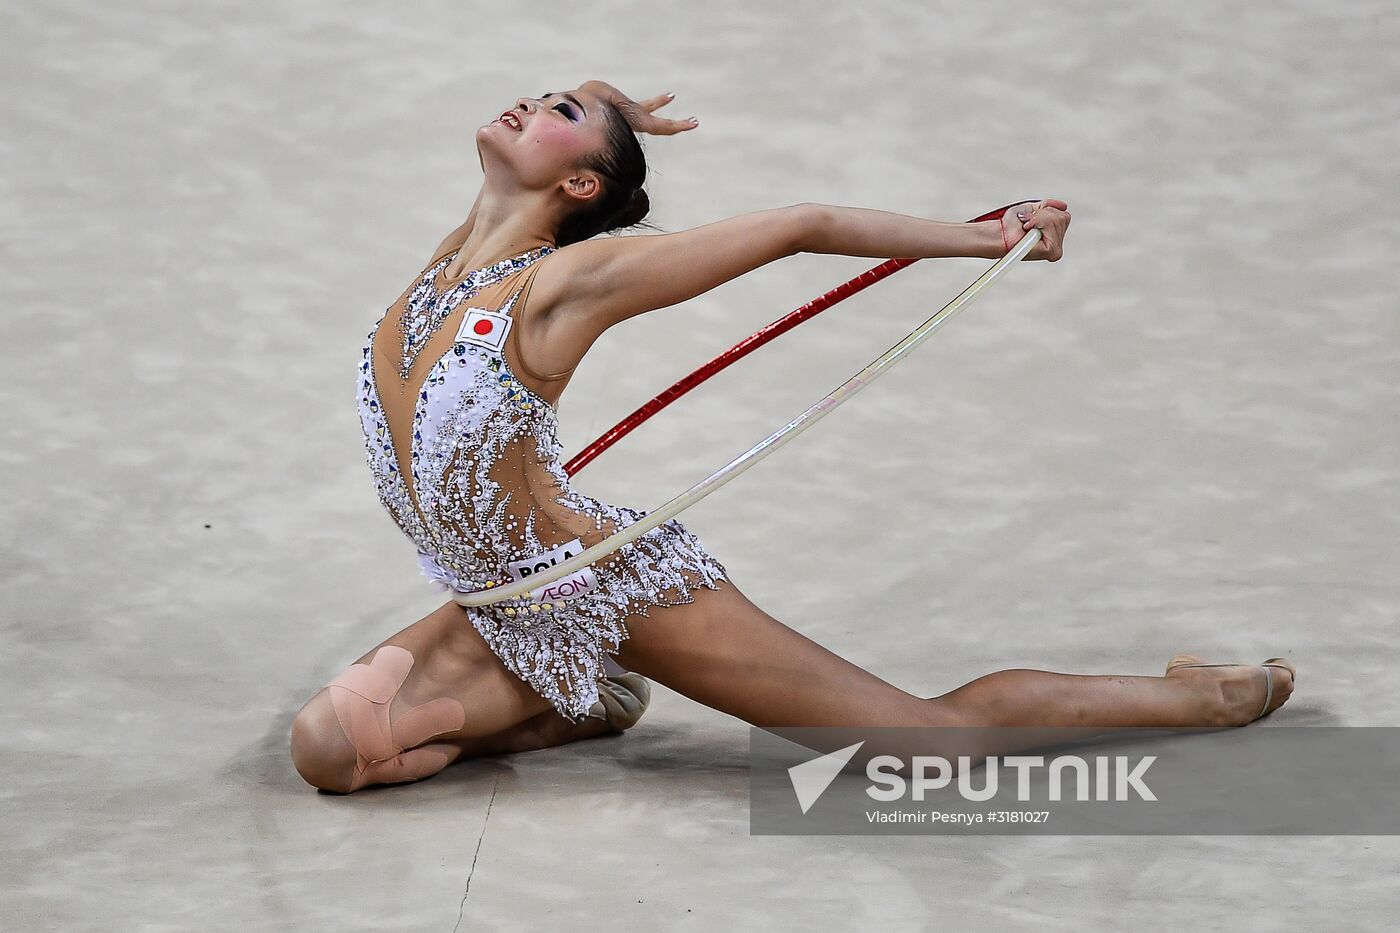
x: 1269, y: 666
x: 622, y: 698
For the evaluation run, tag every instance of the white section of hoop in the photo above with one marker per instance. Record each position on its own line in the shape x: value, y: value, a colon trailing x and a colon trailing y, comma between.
x: 763, y: 448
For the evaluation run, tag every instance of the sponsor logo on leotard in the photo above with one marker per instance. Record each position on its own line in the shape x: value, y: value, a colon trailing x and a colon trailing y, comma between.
x: 484, y: 328
x: 565, y: 588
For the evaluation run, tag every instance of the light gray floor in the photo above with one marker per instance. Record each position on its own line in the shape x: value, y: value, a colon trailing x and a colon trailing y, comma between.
x: 1182, y: 437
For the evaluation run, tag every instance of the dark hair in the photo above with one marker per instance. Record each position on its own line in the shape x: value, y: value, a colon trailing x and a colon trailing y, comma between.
x: 622, y: 202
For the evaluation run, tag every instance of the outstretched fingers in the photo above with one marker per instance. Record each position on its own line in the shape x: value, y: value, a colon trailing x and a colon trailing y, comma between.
x: 652, y: 104
x: 664, y: 126
x: 641, y: 115
x: 642, y: 118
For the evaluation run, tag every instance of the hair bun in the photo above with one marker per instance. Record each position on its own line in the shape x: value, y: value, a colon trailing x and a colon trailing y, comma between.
x: 634, y: 211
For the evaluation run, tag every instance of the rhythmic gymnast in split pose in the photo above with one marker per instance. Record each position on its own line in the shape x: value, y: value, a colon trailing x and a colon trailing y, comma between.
x: 459, y: 388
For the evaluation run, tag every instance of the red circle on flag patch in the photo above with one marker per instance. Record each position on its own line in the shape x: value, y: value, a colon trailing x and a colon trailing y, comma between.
x: 482, y: 327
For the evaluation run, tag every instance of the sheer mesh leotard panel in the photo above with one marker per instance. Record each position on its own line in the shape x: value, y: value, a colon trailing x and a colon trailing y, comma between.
x: 466, y: 461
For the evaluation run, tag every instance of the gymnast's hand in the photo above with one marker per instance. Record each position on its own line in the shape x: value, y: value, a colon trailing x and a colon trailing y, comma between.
x: 1050, y: 215
x: 640, y: 115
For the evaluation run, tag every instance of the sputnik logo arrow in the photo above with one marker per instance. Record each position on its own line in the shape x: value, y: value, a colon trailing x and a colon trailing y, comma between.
x: 811, y: 778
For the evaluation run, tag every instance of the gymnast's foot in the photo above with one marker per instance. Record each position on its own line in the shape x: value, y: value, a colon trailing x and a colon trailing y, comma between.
x: 1235, y: 693
x: 622, y: 698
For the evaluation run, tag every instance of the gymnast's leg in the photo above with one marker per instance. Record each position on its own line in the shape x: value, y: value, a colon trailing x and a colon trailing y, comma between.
x: 420, y: 700
x: 725, y: 652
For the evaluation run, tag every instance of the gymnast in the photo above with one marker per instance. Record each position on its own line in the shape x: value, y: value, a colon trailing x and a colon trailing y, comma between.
x: 459, y: 387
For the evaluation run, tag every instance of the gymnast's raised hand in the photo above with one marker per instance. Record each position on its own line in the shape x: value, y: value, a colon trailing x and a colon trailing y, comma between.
x: 641, y: 115
x: 1050, y: 215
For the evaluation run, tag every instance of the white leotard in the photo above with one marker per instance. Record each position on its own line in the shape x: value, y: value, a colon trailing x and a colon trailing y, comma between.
x: 489, y: 498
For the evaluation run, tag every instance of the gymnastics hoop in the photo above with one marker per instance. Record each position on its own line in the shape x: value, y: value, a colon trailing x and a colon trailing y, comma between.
x: 746, y: 346
x: 763, y: 448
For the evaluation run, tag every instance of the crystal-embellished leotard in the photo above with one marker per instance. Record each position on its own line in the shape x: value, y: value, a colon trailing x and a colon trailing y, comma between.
x: 466, y: 460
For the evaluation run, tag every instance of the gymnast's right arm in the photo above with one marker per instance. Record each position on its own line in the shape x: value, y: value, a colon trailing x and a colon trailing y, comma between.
x: 593, y: 284
x: 588, y: 286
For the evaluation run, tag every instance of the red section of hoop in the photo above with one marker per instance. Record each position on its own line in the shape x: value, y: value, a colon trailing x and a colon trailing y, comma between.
x: 749, y: 344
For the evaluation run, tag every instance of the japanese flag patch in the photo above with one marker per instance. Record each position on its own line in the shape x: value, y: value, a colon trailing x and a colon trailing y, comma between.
x: 484, y: 328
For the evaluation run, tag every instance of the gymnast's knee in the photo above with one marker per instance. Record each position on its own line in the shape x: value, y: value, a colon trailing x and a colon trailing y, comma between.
x: 343, y: 738
x: 321, y: 752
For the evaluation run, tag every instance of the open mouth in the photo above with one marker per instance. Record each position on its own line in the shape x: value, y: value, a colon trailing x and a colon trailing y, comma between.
x: 510, y: 119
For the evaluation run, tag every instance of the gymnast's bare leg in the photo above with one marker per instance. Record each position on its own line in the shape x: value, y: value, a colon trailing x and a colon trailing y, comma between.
x: 726, y: 652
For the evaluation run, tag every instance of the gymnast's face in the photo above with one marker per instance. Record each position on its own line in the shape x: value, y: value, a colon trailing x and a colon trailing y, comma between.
x: 541, y: 141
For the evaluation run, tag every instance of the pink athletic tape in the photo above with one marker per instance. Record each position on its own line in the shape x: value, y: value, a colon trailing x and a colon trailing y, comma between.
x: 385, y: 750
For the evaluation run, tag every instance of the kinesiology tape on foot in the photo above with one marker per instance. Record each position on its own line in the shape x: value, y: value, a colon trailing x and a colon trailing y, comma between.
x: 361, y: 697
